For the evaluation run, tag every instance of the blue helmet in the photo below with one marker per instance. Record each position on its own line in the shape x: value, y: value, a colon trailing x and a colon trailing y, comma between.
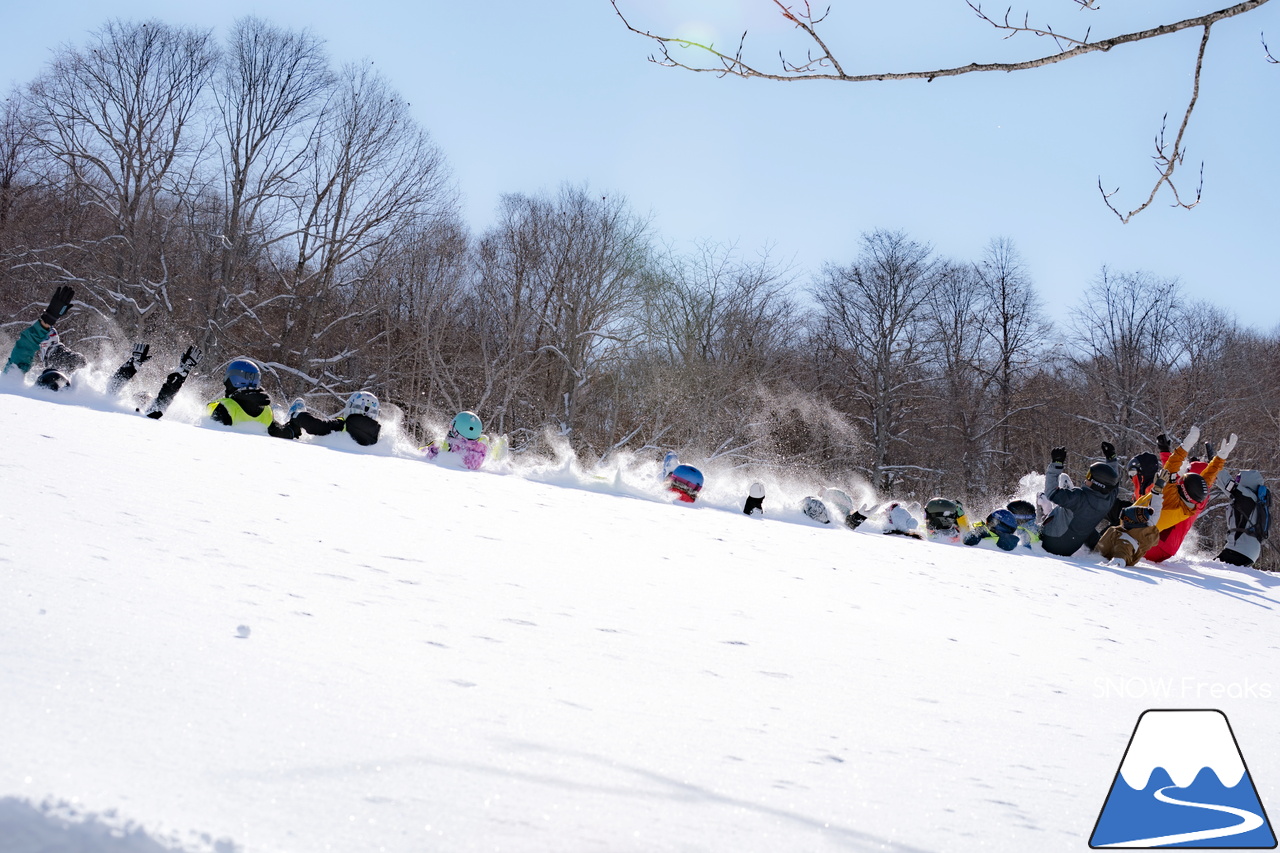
x: 1003, y: 522
x: 243, y: 374
x: 467, y: 424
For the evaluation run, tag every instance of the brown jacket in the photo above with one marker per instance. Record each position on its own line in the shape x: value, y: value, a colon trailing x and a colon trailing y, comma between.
x: 1129, y: 545
x: 1132, y: 544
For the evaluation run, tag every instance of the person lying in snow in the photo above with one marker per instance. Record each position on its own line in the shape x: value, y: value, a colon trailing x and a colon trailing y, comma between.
x: 41, y: 337
x: 1186, y: 496
x: 358, y: 419
x: 172, y: 383
x: 1077, y: 510
x: 944, y: 520
x: 1129, y: 541
x: 1248, y: 519
x: 245, y: 401
x: 465, y: 440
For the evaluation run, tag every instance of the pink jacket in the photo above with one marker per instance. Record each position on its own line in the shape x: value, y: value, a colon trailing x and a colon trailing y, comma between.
x: 472, y: 451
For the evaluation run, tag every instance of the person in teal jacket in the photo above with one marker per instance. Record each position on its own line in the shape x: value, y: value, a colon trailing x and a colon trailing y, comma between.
x: 42, y: 337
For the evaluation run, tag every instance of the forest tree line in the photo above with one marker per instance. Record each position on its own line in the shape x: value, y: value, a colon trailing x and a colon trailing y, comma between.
x: 249, y: 196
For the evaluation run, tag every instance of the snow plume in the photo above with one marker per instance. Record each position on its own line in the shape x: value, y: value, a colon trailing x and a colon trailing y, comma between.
x: 795, y: 431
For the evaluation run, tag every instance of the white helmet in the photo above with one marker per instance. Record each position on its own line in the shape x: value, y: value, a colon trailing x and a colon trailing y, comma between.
x: 361, y: 403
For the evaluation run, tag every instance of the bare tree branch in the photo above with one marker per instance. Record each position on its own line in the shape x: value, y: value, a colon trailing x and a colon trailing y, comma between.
x: 1166, y: 160
x: 824, y: 65
x: 735, y: 65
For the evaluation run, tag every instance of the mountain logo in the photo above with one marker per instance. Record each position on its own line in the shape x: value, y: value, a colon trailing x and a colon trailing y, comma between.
x: 1183, y: 783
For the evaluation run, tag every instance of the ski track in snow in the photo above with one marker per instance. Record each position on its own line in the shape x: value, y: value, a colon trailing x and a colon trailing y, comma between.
x: 450, y: 660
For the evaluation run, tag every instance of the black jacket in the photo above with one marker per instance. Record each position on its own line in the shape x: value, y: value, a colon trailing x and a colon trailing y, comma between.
x: 363, y: 429
x: 254, y: 401
x: 1075, y: 518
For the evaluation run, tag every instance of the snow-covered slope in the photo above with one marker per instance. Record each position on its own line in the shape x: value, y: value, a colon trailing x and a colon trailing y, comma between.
x: 547, y: 660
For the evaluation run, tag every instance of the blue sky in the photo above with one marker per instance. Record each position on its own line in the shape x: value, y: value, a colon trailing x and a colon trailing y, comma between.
x: 523, y: 96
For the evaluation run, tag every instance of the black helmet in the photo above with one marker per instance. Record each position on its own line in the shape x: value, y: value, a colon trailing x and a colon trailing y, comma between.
x: 1023, y: 511
x: 1143, y: 468
x: 1102, y: 477
x: 54, y: 380
x: 1193, y: 489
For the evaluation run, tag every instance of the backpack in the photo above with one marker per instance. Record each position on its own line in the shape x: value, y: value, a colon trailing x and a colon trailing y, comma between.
x: 1251, y: 517
x: 1262, y: 514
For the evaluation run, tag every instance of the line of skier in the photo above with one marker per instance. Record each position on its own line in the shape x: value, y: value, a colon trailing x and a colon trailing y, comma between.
x: 243, y: 402
x: 1170, y: 489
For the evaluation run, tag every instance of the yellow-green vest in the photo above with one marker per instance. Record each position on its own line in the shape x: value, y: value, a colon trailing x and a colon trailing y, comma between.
x: 239, y: 415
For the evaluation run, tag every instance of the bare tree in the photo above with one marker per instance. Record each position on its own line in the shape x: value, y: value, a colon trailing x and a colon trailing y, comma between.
x: 560, y: 274
x: 119, y: 114
x: 822, y: 63
x: 719, y: 331
x: 1129, y: 343
x: 1012, y: 321
x: 17, y: 138
x: 874, y: 326
x: 428, y: 355
x: 372, y: 173
x: 271, y: 87
x: 961, y: 410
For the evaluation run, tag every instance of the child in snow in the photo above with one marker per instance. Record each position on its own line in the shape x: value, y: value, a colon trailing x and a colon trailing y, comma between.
x: 685, y: 481
x: 1185, y: 496
x: 944, y: 520
x: 42, y: 337
x: 245, y: 401
x: 358, y: 419
x: 172, y: 383
x: 1248, y: 520
x: 1077, y: 510
x: 1129, y: 541
x: 466, y: 440
x: 898, y: 521
x: 1024, y: 513
x: 1001, y: 525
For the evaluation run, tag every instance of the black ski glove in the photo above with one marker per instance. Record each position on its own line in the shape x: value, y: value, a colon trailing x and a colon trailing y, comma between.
x: 190, y: 359
x: 853, y: 519
x: 1164, y: 443
x: 753, y: 505
x: 1108, y: 451
x: 1058, y: 454
x: 59, y: 305
x: 141, y: 353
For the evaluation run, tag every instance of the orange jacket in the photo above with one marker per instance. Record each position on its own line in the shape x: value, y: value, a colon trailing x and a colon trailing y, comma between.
x: 1176, y: 510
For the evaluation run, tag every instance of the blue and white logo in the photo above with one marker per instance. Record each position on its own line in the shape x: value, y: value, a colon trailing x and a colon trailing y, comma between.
x: 1183, y: 783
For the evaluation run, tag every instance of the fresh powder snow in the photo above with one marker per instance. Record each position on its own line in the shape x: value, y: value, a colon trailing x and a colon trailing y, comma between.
x: 215, y: 641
